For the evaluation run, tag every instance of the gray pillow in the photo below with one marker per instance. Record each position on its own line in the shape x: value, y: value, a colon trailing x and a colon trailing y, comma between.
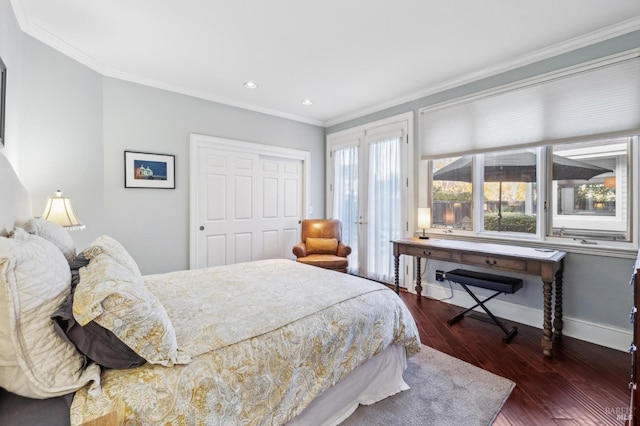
x: 93, y: 341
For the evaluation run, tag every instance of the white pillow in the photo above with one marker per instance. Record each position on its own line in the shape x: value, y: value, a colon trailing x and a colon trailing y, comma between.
x: 110, y: 246
x: 53, y: 233
x: 117, y: 299
x: 34, y: 361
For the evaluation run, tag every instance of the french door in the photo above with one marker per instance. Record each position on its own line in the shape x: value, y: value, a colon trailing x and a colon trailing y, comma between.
x: 369, y: 192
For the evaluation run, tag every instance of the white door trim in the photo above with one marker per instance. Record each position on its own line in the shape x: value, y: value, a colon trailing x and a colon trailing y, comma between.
x: 198, y: 141
x: 358, y: 136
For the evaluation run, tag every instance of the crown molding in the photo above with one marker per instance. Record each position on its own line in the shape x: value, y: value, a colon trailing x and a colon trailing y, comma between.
x: 71, y: 51
x: 594, y: 37
x: 109, y: 72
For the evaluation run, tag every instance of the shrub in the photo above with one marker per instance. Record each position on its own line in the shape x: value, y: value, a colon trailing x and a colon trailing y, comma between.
x: 511, y: 222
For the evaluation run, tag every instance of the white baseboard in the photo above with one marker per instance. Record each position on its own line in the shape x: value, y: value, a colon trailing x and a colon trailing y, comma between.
x: 600, y: 334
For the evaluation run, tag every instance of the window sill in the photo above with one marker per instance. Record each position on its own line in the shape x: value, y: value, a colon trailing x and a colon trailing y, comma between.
x: 600, y: 248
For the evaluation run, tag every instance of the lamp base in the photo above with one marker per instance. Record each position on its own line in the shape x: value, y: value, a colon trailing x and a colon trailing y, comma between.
x: 423, y: 237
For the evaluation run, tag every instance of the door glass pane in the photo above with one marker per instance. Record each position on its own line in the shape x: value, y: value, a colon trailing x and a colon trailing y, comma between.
x: 451, y: 204
x: 384, y: 212
x: 590, y: 190
x: 345, y: 199
x: 510, y: 195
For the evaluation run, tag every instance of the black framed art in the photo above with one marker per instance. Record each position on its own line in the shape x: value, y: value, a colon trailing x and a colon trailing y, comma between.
x: 3, y: 95
x: 147, y: 170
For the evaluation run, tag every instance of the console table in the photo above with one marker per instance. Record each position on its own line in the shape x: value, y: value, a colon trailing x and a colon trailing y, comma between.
x: 546, y: 264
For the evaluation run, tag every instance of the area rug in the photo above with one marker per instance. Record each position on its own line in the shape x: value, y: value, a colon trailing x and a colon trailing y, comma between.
x: 444, y: 391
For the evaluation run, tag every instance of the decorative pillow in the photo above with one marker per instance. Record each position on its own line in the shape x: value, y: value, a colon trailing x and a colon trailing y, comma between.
x: 322, y: 245
x: 94, y: 341
x: 34, y: 361
x: 117, y: 299
x: 53, y: 233
x: 113, y: 249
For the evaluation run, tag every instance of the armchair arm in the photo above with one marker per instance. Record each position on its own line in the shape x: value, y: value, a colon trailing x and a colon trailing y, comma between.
x: 300, y: 250
x: 343, y: 250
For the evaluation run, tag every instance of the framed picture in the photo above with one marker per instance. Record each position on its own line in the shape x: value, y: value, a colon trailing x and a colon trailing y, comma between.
x: 3, y: 95
x: 146, y: 170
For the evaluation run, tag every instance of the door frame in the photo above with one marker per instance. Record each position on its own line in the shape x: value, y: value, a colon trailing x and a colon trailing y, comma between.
x: 344, y: 137
x: 198, y: 141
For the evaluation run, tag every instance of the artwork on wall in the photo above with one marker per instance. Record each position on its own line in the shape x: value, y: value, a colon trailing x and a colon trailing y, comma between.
x: 146, y: 170
x: 3, y: 92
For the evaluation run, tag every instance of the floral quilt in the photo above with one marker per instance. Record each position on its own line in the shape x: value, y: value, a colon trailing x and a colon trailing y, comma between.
x: 265, y: 339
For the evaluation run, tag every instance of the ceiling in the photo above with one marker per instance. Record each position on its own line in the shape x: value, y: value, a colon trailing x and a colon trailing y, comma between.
x: 350, y: 57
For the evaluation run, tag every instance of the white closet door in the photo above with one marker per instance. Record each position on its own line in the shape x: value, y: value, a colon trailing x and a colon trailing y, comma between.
x: 249, y: 206
x: 280, y: 207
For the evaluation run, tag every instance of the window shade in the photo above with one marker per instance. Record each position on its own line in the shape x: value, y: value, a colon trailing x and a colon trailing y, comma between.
x: 602, y: 100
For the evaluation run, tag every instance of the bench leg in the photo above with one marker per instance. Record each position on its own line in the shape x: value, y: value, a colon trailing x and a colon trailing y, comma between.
x: 509, y: 334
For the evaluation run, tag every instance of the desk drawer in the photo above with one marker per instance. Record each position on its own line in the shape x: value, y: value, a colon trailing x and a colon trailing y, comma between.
x: 494, y: 262
x: 426, y: 252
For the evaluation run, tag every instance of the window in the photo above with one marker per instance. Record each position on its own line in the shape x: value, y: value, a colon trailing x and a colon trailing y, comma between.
x: 452, y: 202
x: 587, y: 185
x: 550, y: 158
x: 510, y: 191
x: 595, y: 204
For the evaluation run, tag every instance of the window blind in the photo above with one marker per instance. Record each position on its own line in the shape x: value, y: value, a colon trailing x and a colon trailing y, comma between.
x: 602, y: 100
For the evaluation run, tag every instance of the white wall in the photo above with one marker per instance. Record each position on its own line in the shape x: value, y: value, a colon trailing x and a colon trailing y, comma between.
x: 11, y: 54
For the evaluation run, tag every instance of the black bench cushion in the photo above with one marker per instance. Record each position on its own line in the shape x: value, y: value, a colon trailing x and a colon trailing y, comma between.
x: 489, y: 281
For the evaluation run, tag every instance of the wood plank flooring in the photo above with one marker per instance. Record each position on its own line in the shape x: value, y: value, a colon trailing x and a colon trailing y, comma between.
x: 583, y: 384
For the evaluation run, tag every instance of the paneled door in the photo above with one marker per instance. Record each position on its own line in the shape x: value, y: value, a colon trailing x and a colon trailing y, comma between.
x: 248, y: 205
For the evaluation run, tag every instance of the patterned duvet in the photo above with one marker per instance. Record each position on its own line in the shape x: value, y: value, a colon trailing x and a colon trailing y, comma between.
x: 265, y: 339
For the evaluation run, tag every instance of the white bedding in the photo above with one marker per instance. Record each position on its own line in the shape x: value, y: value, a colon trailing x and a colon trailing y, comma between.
x: 265, y: 342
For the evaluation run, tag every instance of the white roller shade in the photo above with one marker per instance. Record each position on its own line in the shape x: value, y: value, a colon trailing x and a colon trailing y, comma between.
x: 597, y: 101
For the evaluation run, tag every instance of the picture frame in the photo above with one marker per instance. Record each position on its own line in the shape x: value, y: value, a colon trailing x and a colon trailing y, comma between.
x: 3, y: 95
x: 148, y: 170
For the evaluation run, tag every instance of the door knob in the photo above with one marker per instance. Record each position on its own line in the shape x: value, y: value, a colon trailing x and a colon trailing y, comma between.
x: 202, y: 228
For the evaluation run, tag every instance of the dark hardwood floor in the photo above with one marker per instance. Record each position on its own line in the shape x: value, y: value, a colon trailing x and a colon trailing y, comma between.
x: 582, y: 384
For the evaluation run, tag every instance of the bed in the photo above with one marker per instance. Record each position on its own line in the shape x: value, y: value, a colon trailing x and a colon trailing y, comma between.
x: 269, y: 342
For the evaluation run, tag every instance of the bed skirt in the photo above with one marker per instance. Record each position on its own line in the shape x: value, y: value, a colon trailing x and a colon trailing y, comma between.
x: 376, y: 379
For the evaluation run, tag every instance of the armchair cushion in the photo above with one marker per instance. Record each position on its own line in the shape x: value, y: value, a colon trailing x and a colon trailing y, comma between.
x: 322, y: 245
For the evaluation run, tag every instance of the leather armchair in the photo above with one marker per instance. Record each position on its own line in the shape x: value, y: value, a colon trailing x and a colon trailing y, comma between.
x: 321, y: 245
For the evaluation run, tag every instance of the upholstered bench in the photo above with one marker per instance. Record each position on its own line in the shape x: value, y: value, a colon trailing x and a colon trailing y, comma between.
x: 497, y: 283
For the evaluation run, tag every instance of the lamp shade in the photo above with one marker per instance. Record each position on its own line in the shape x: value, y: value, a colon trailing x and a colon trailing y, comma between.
x: 424, y: 217
x: 58, y: 210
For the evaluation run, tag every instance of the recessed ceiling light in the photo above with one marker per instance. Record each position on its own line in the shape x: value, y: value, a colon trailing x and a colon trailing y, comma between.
x: 250, y: 85
x: 307, y: 102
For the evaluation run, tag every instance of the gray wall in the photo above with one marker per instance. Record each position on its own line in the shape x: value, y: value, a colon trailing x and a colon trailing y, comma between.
x: 153, y: 223
x: 68, y: 127
x: 54, y: 124
x: 595, y: 287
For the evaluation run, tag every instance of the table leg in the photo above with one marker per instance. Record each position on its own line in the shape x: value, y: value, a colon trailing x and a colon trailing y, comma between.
x: 547, y: 342
x: 396, y: 265
x: 418, y: 279
x: 557, y: 319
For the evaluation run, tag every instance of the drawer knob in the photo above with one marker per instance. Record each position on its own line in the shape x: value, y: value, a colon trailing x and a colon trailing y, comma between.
x: 491, y: 262
x: 426, y: 253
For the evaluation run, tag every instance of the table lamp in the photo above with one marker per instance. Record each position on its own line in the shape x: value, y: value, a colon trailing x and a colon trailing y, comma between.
x: 424, y: 220
x: 58, y: 210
